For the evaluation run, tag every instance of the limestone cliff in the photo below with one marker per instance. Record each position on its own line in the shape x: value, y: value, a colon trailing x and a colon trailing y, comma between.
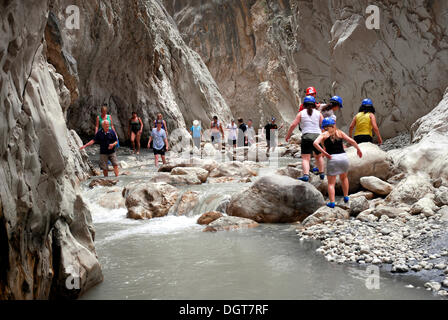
x: 264, y: 53
x: 46, y: 232
x: 130, y: 55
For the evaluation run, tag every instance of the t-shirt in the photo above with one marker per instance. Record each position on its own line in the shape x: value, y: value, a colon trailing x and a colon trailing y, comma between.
x: 104, y: 140
x: 158, y: 138
x: 310, y: 124
x: 242, y: 131
x: 268, y: 129
x: 196, y: 131
x: 233, y: 129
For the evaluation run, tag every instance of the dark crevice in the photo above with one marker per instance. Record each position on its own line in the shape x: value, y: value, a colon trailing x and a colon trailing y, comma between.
x: 4, y: 251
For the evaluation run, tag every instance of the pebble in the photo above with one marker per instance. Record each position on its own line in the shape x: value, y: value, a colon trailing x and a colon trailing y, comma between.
x: 440, y: 266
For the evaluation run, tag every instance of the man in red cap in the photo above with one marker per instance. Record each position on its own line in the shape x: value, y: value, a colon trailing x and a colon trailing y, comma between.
x: 311, y: 91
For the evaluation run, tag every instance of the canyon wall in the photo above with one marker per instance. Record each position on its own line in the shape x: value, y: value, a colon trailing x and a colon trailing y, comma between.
x: 265, y: 53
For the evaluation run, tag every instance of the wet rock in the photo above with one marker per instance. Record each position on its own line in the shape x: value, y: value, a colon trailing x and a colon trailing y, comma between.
x: 376, y: 185
x: 276, y: 199
x: 147, y: 200
x: 206, y: 164
x: 228, y: 223
x: 190, y: 179
x: 367, y: 194
x: 222, y: 180
x: 233, y: 169
x: 325, y: 214
x: 434, y: 286
x: 209, y: 217
x: 186, y: 203
x: 103, y: 183
x: 358, y: 205
x: 200, y: 173
x: 410, y: 190
x: 113, y: 199
x: 400, y: 268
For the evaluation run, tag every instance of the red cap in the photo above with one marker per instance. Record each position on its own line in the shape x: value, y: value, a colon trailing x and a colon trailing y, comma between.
x: 310, y: 91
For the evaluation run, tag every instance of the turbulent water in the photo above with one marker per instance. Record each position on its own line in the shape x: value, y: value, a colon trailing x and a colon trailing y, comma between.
x: 171, y: 258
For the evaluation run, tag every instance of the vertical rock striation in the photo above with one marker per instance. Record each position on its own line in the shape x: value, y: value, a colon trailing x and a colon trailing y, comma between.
x: 46, y: 232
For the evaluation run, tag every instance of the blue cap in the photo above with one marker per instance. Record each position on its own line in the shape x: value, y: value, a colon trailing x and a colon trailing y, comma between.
x: 309, y: 99
x: 338, y: 100
x: 367, y: 102
x: 328, y: 122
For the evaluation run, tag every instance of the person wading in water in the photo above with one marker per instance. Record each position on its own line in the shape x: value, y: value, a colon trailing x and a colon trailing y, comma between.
x: 135, y: 131
x: 338, y: 163
x: 107, y: 139
x: 160, y: 143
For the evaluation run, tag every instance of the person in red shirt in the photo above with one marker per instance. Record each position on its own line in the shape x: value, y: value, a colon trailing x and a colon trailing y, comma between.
x: 311, y: 91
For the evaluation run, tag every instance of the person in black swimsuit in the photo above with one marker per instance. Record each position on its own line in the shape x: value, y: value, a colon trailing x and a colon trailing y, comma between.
x: 135, y: 131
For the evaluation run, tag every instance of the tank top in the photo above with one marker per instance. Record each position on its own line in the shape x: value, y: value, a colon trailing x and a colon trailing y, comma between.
x: 363, y: 124
x: 334, y: 147
x: 135, y: 125
x: 215, y: 127
x: 310, y: 124
x: 101, y: 121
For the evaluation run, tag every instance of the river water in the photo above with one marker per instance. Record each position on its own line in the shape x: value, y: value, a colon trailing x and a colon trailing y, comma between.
x: 171, y: 258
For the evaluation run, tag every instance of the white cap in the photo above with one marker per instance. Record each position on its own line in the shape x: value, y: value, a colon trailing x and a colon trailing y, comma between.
x: 195, y: 123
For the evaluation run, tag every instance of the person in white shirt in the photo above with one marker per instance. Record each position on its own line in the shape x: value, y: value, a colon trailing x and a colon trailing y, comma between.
x: 232, y: 128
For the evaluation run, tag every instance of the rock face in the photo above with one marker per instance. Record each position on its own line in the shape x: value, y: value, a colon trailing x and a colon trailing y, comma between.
x: 146, y: 200
x: 276, y: 199
x: 131, y: 56
x: 429, y: 153
x: 46, y: 230
x: 268, y: 49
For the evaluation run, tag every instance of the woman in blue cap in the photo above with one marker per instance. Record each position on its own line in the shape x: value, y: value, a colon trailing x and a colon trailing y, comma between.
x: 328, y: 110
x: 310, y: 121
x: 337, y: 164
x: 365, y: 123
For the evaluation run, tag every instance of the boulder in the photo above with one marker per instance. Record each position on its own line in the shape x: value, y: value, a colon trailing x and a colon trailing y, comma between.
x: 441, y: 196
x: 190, y: 179
x: 358, y: 205
x: 147, y: 200
x: 425, y: 206
x: 227, y: 223
x: 186, y: 203
x: 296, y: 139
x: 410, y: 190
x: 207, y: 164
x: 443, y: 212
x: 366, y: 194
x: 276, y: 199
x: 290, y: 172
x: 375, y: 162
x: 367, y: 216
x: 200, y: 173
x: 232, y: 169
x: 113, y: 199
x: 103, y: 183
x: 325, y: 214
x: 209, y: 217
x: 376, y: 185
x: 391, y: 212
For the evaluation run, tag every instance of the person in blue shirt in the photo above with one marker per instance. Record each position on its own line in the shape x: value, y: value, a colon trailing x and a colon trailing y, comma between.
x: 196, y: 134
x: 160, y: 143
x: 107, y: 139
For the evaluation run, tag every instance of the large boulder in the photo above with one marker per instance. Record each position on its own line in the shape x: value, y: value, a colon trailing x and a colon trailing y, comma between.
x: 228, y: 223
x: 233, y: 169
x: 410, y: 190
x: 376, y: 185
x: 112, y: 199
x: 209, y: 217
x: 325, y: 214
x: 425, y: 206
x: 375, y: 162
x: 200, y: 173
x: 147, y: 200
x: 276, y: 199
x: 441, y: 196
x: 206, y: 164
x: 358, y: 205
x: 188, y: 179
x: 186, y: 203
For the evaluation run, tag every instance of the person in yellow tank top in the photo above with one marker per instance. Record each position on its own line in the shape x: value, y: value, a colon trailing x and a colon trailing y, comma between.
x: 365, y: 123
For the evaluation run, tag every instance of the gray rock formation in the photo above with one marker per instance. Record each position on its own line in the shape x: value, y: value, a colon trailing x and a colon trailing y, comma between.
x: 264, y: 53
x: 132, y: 57
x: 276, y: 199
x: 46, y: 231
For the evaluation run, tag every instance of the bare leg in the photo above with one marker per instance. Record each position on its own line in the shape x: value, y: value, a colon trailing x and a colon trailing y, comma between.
x: 306, y: 158
x: 345, y: 184
x: 139, y: 135
x: 106, y: 173
x: 331, y: 187
x: 156, y: 160
x: 116, y: 171
x: 133, y: 141
x: 163, y: 159
x: 320, y: 162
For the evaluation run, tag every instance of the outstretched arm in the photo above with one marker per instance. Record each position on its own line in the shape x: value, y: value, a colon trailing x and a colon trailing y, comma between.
x: 375, y: 128
x: 92, y: 142
x: 317, y: 145
x: 352, y: 127
x: 141, y: 125
x: 166, y: 128
x: 352, y: 142
x: 293, y: 126
x: 97, y: 125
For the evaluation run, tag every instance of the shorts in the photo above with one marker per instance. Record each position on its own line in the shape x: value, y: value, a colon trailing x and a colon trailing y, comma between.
x: 363, y: 138
x: 105, y: 158
x: 230, y: 141
x: 216, y: 138
x: 338, y: 164
x: 271, y: 143
x: 197, y: 142
x: 308, y: 143
x: 160, y: 152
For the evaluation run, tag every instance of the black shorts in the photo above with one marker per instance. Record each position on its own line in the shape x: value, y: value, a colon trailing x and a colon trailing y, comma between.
x: 160, y: 152
x: 308, y: 143
x: 230, y: 141
x: 363, y: 138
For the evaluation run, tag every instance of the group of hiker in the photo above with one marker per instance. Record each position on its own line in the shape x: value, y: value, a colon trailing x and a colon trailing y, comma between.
x: 317, y: 121
x: 321, y: 138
